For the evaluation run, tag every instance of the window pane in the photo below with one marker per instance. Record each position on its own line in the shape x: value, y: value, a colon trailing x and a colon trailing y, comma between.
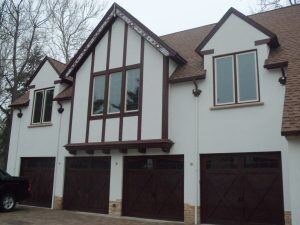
x: 132, y: 89
x: 115, y: 92
x: 246, y: 67
x: 224, y: 80
x: 38, y: 103
x: 98, y: 99
x: 48, y: 106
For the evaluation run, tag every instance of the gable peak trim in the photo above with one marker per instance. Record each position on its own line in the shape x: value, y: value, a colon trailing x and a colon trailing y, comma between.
x: 143, y: 31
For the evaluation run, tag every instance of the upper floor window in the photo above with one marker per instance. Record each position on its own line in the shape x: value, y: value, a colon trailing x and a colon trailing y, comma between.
x: 42, y: 106
x: 132, y: 90
x: 116, y: 88
x: 236, y: 78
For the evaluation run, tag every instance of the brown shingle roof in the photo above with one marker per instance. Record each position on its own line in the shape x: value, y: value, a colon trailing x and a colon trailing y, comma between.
x: 285, y: 24
x: 58, y: 66
x: 21, y: 101
x: 66, y: 94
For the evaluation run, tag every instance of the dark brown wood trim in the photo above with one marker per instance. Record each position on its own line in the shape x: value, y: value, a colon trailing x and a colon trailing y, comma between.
x: 186, y: 79
x: 114, y: 115
x: 273, y: 38
x: 101, y: 73
x: 262, y: 42
x: 71, y: 111
x: 235, y: 78
x: 139, y: 144
x: 106, y: 86
x: 31, y: 87
x: 57, y: 82
x: 123, y: 83
x: 139, y: 128
x: 276, y: 65
x: 290, y: 133
x: 62, y: 99
x: 207, y: 52
x: 118, y: 69
x: 165, y: 99
x: 90, y: 98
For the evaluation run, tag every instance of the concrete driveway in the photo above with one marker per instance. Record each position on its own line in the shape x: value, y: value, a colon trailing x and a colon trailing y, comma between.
x: 38, y: 216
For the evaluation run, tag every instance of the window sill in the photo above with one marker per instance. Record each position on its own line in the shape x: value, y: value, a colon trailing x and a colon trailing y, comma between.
x: 40, y: 125
x: 241, y: 105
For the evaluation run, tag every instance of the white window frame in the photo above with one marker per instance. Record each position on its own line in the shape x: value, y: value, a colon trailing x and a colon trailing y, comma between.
x: 236, y: 91
x: 237, y: 77
x: 125, y: 101
x: 43, y: 106
x: 93, y: 97
x: 216, y: 80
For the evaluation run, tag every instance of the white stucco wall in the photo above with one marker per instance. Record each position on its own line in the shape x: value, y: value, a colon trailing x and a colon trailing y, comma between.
x: 80, y: 106
x: 48, y: 141
x: 152, y: 93
x: 101, y: 54
x: 133, y: 47
x: 294, y: 164
x: 117, y: 43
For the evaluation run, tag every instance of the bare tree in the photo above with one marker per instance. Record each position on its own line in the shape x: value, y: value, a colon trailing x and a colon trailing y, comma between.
x: 265, y: 5
x: 20, y: 52
x: 70, y: 24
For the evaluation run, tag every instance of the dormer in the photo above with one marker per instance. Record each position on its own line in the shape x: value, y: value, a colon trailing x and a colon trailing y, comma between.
x: 234, y: 53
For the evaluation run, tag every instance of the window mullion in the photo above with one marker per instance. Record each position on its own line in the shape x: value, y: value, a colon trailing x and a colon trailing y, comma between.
x: 43, y: 106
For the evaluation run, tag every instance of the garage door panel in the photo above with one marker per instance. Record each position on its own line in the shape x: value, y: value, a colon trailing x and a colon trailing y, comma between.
x: 242, y: 188
x: 153, y: 187
x: 169, y: 185
x: 138, y: 188
x: 87, y: 182
x: 40, y: 172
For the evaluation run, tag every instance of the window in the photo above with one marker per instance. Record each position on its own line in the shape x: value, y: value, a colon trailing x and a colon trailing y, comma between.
x: 236, y: 79
x: 98, y: 99
x: 125, y: 81
x: 132, y: 89
x: 42, y: 106
x: 115, y: 83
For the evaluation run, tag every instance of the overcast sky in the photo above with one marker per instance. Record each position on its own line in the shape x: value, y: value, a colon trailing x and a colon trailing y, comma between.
x: 168, y: 16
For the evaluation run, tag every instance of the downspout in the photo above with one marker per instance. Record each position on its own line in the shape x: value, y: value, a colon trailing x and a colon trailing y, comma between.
x: 60, y: 111
x: 196, y: 93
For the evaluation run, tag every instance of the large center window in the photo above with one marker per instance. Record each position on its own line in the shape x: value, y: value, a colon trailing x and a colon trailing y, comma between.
x: 42, y: 106
x: 117, y: 86
x: 236, y: 78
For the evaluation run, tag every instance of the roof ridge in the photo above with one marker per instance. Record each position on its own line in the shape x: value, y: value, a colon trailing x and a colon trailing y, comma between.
x: 259, y: 13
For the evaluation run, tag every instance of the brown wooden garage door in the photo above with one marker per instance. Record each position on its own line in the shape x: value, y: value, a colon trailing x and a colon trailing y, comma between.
x: 153, y: 187
x: 40, y: 172
x: 86, y: 185
x: 242, y: 189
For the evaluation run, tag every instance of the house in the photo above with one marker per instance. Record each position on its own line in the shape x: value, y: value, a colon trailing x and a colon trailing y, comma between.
x: 200, y: 126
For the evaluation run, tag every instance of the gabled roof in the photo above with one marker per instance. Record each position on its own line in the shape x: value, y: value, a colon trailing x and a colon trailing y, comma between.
x: 114, y: 12
x: 65, y: 95
x: 273, y: 42
x: 57, y: 66
x: 22, y: 101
